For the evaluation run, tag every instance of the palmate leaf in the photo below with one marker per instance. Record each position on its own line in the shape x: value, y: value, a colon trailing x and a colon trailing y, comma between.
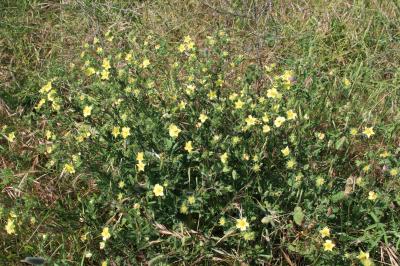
x: 298, y: 215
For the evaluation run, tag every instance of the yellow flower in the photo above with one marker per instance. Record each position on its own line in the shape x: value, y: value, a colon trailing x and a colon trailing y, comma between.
x: 158, y: 190
x: 49, y: 149
x: 369, y: 131
x: 124, y: 116
x: 106, y: 64
x: 87, y: 111
x: 291, y: 115
x: 69, y: 168
x: 212, y: 95
x: 384, y: 154
x: 174, y: 131
x: 256, y: 168
x: 233, y: 96
x: 203, y: 117
x: 190, y: 45
x: 273, y: 93
x: 320, y: 181
x: 99, y: 50
x: 146, y: 63
x: 90, y: 71
x: 150, y: 84
x: 48, y: 134
x: 105, y: 75
x: 121, y: 184
x: 40, y: 104
x: 298, y: 177
x: 181, y: 47
x: 270, y: 67
x: 182, y: 105
x: 320, y: 135
x: 224, y: 158
x: 115, y: 132
x: 55, y: 106
x: 222, y: 221
x: 51, y: 95
x: 363, y: 255
x: 287, y: 75
x: 140, y: 156
x: 250, y: 121
x: 188, y: 147
x: 104, y: 263
x: 346, y: 82
x: 235, y: 140
x: 239, y: 104
x: 279, y: 121
x: 266, y: 129
x: 120, y: 196
x: 11, y: 137
x: 265, y: 118
x: 242, y: 224
x: 84, y: 237
x: 80, y: 138
x: 394, y: 172
x: 353, y: 131
x: 190, y: 89
x: 248, y: 236
x: 128, y: 57
x: 140, y: 165
x: 46, y: 88
x: 286, y: 151
x: 329, y: 245
x: 291, y: 164
x: 187, y: 39
x: 367, y: 262
x: 325, y: 232
x: 125, y: 132
x: 183, y: 209
x: 372, y: 195
x: 105, y: 233
x: 191, y: 199
x: 10, y: 227
x: 364, y: 259
x: 211, y: 40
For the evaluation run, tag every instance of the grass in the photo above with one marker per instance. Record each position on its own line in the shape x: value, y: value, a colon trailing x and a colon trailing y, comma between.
x: 324, y: 43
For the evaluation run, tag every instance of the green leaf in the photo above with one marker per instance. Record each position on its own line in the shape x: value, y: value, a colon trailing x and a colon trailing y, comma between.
x: 298, y: 215
x: 234, y: 175
x: 339, y: 143
x: 338, y: 197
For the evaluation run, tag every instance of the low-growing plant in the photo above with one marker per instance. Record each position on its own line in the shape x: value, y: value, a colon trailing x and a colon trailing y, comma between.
x: 186, y: 153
